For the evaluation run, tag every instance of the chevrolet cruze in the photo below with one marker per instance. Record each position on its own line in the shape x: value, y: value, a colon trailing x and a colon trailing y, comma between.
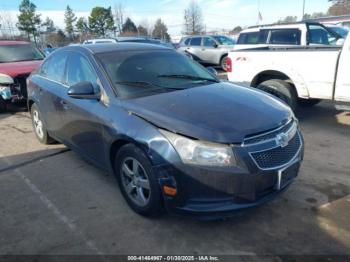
x: 175, y: 137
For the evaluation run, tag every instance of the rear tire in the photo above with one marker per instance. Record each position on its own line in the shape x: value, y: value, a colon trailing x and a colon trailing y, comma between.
x: 223, y: 63
x: 309, y: 102
x: 39, y: 126
x: 3, y: 105
x: 137, y: 181
x: 282, y: 90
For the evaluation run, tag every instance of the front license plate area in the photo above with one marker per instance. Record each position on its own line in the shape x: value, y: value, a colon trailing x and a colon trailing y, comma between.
x: 285, y: 176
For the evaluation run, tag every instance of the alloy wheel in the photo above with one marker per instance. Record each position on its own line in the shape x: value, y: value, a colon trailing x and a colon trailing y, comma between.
x: 38, y: 124
x: 135, y: 181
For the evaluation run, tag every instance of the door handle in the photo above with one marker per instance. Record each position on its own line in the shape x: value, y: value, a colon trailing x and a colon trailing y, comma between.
x: 64, y: 104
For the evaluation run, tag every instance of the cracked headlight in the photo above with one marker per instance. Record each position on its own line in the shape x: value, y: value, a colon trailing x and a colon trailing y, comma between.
x: 202, y: 153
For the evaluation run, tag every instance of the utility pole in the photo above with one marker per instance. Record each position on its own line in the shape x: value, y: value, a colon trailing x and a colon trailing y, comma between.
x: 302, y: 17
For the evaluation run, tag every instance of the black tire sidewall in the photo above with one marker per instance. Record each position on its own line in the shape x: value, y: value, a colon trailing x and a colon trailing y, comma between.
x: 285, y: 91
x: 154, y: 206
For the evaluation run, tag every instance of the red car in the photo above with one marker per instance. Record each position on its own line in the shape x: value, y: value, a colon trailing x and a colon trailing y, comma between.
x: 17, y: 60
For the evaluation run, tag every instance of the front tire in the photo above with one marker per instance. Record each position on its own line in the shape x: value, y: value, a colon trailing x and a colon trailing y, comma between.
x: 281, y: 89
x: 39, y: 126
x: 3, y: 105
x: 137, y: 181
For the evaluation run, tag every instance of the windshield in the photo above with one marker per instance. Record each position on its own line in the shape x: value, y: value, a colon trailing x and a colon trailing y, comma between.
x: 16, y: 53
x: 142, y: 73
x: 224, y: 40
x: 342, y: 31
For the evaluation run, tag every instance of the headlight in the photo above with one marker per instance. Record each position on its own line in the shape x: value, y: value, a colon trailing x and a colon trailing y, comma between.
x: 198, y: 152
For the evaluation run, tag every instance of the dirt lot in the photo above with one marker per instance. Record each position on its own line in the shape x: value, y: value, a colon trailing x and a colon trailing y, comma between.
x: 53, y: 202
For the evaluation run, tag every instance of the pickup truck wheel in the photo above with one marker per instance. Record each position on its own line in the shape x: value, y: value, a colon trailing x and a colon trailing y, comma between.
x: 223, y: 63
x: 3, y: 105
x: 137, y: 181
x: 309, y: 102
x: 281, y: 89
x: 39, y: 126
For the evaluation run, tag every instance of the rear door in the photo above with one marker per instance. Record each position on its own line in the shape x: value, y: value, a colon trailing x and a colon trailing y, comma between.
x: 51, y: 88
x: 195, y: 48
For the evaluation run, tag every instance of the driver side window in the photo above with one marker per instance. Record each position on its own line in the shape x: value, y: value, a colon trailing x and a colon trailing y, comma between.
x: 79, y: 70
x: 208, y: 42
x: 319, y: 35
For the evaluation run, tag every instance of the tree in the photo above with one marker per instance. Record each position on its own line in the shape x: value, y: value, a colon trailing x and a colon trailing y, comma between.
x: 142, y: 30
x: 50, y: 26
x: 119, y: 17
x: 57, y: 39
x: 82, y: 27
x: 288, y: 19
x: 339, y: 7
x: 193, y: 19
x: 69, y: 20
x: 101, y: 20
x: 129, y: 27
x: 28, y: 20
x: 160, y: 31
x: 237, y: 30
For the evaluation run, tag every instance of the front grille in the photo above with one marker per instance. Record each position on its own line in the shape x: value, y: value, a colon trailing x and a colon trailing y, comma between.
x: 278, y: 156
x: 267, y: 136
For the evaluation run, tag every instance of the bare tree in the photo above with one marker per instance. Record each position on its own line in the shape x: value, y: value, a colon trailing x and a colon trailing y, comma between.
x: 193, y: 19
x: 119, y: 17
x: 8, y: 27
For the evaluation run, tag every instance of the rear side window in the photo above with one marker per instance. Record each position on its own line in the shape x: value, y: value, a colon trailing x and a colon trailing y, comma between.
x: 285, y: 37
x: 54, y: 67
x: 187, y: 41
x: 248, y: 38
x: 196, y: 41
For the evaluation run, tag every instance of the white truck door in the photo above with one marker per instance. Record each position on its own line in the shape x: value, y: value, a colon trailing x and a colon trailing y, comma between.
x: 342, y: 86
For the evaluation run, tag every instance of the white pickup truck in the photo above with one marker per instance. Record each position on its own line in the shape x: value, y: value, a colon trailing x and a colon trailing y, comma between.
x: 297, y: 75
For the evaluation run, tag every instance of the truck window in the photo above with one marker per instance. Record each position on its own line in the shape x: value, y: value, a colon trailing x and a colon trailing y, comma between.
x: 248, y: 38
x: 285, y: 37
x: 319, y: 35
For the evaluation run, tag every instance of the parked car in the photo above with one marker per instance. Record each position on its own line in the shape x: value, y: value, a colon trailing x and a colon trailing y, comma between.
x: 100, y: 41
x: 301, y: 33
x: 208, y: 49
x: 170, y: 131
x: 17, y: 60
x: 297, y: 75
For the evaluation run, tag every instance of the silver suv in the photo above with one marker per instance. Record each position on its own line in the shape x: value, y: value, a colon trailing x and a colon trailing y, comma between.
x: 208, y: 49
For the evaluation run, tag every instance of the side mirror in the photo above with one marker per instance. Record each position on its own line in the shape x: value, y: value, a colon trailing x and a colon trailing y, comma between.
x: 212, y: 71
x: 84, y: 90
x: 215, y: 45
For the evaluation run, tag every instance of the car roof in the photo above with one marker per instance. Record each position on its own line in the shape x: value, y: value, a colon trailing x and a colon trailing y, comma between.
x: 13, y: 42
x: 122, y: 46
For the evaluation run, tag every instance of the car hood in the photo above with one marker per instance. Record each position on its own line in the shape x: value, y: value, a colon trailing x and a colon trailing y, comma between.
x: 222, y: 112
x: 14, y: 69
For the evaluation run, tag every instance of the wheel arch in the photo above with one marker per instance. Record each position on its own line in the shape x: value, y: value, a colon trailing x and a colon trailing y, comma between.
x: 266, y: 75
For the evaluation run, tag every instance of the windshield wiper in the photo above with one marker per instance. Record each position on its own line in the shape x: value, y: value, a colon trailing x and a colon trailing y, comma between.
x: 136, y: 83
x: 190, y: 77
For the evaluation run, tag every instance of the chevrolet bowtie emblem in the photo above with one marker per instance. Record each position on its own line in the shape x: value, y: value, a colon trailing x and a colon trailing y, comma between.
x: 282, y: 140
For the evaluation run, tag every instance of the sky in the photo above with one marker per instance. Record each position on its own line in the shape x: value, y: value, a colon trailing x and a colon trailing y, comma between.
x: 217, y: 14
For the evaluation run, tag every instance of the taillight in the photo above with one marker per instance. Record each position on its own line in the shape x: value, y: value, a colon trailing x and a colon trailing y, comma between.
x: 228, y: 65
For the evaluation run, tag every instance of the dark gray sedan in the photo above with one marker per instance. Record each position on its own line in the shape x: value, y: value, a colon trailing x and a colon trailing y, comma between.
x: 169, y: 130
